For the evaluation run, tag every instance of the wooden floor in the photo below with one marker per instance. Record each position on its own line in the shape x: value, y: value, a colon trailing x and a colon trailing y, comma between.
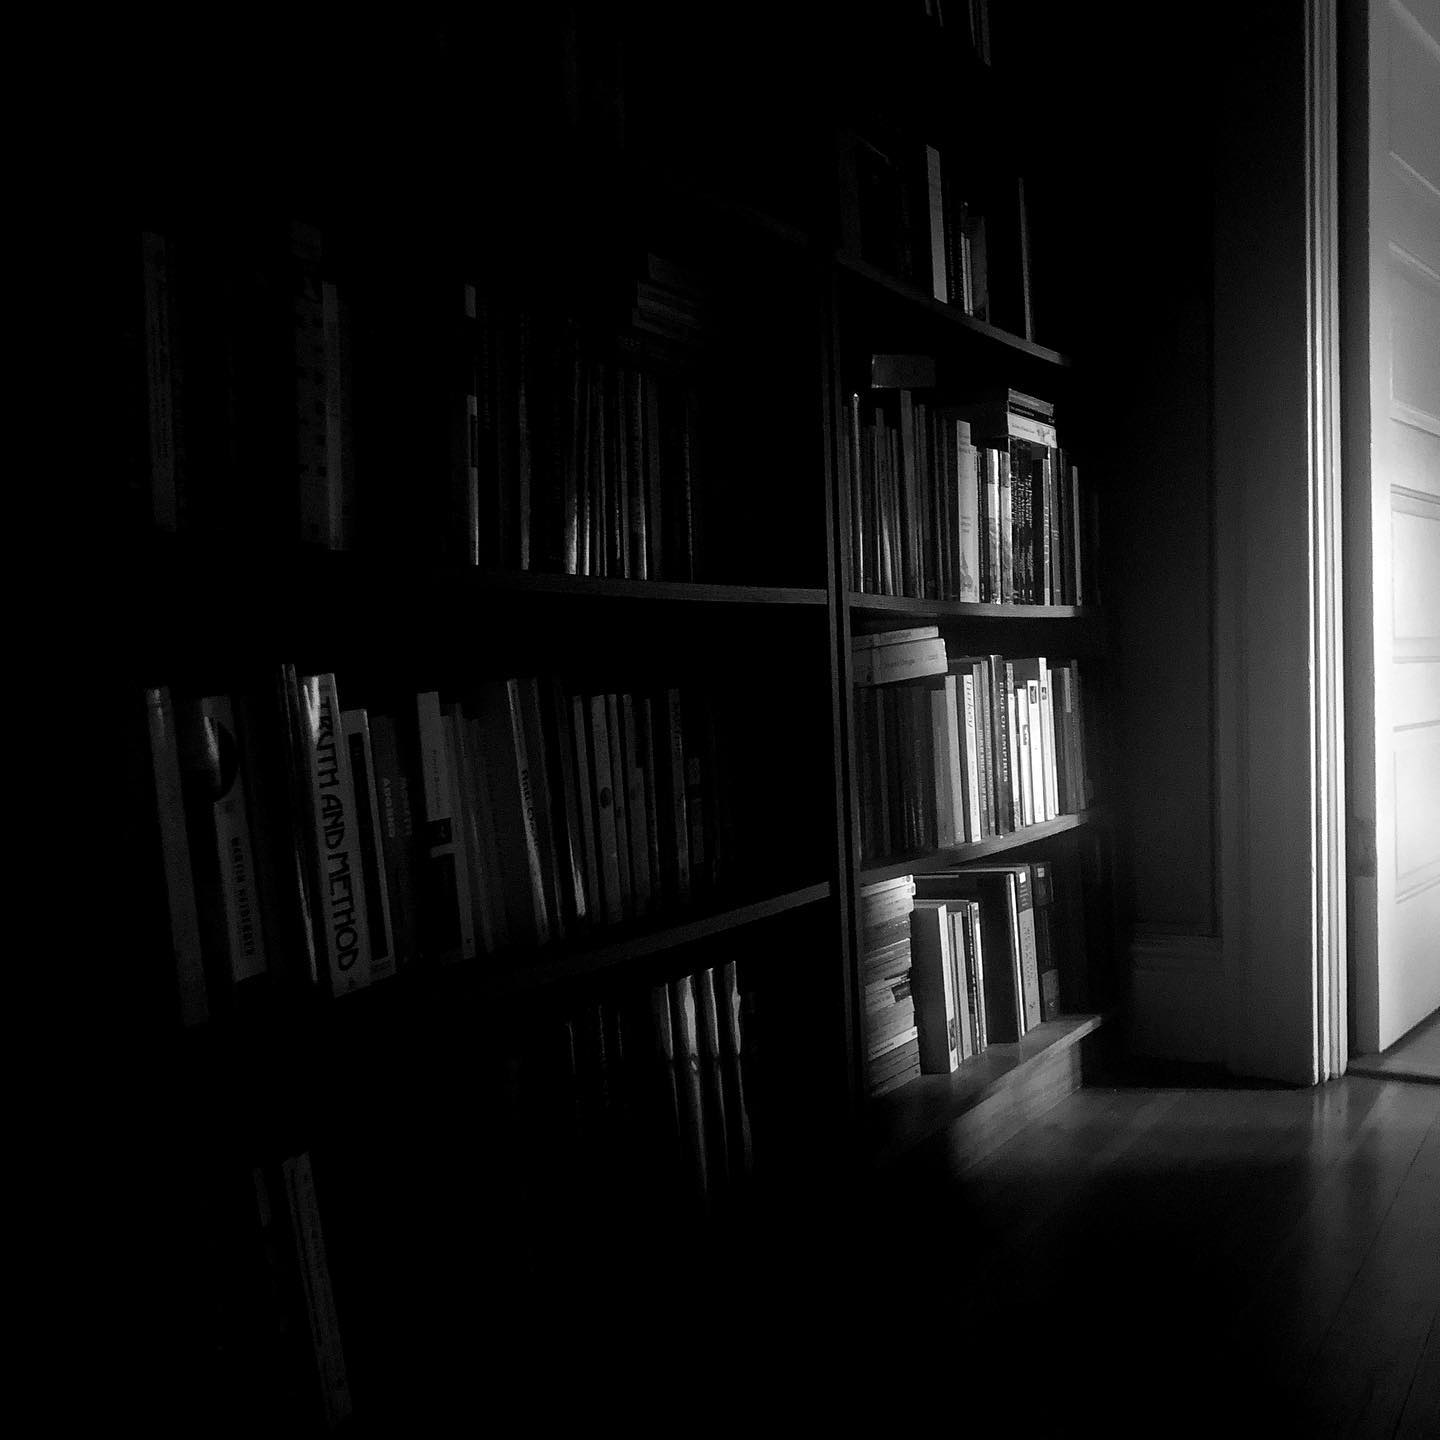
x: 1141, y: 1261
x: 1208, y: 1261
x: 1415, y: 1056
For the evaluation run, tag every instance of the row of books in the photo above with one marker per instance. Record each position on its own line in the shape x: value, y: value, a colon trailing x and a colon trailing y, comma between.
x: 957, y: 750
x: 332, y: 846
x: 530, y: 448
x: 575, y: 462
x: 961, y: 238
x: 956, y: 960
x: 650, y: 1087
x: 973, y: 502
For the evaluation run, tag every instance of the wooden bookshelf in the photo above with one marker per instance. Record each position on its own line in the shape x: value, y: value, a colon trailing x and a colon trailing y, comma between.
x: 737, y: 316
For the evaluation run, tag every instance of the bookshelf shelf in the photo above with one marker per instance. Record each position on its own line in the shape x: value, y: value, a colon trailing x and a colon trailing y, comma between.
x: 980, y: 849
x: 921, y: 303
x: 517, y: 976
x: 587, y: 587
x: 888, y: 607
x: 988, y: 1098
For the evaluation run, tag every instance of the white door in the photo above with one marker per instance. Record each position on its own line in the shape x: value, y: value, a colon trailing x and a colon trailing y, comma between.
x: 1393, y: 542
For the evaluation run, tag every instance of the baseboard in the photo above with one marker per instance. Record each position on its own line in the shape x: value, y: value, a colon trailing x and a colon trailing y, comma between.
x: 1177, y: 999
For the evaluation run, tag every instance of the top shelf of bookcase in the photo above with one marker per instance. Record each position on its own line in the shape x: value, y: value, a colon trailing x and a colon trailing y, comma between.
x: 925, y: 304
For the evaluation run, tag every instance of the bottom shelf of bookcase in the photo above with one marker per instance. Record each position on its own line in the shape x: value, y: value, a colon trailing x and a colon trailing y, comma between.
x: 987, y: 1100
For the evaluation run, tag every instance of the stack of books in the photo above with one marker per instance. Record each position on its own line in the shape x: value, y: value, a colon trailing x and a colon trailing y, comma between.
x: 892, y: 1047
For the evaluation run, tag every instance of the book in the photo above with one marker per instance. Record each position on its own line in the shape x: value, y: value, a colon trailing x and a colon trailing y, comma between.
x: 226, y: 878
x: 187, y: 959
x: 690, y: 1085
x: 445, y: 926
x: 962, y: 978
x: 338, y: 865
x: 906, y: 660
x: 1047, y: 959
x: 732, y: 1044
x: 997, y: 888
x: 510, y: 789
x: 933, y: 987
x: 355, y: 725
x: 306, y: 1242
x: 712, y: 1078
x: 607, y: 839
x: 395, y: 806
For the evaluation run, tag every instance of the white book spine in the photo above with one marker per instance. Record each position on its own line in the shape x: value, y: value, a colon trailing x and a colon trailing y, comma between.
x: 972, y: 761
x: 967, y: 512
x: 1047, y: 732
x: 937, y: 224
x: 339, y: 871
x: 1037, y: 750
x: 244, y: 930
x: 1023, y: 769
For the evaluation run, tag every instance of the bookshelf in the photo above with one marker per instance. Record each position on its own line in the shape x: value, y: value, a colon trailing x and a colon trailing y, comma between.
x: 687, y: 284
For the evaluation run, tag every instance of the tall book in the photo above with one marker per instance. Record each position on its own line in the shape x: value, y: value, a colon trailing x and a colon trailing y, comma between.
x: 510, y: 787
x: 356, y: 727
x: 690, y: 1086
x: 232, y: 925
x: 338, y: 864
x: 1047, y: 958
x: 932, y: 983
x: 395, y: 805
x: 307, y: 1239
x: 446, y: 926
x: 184, y: 920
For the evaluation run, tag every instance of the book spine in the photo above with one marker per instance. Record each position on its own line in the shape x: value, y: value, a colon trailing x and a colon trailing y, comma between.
x: 465, y: 518
x: 712, y: 1065
x: 481, y: 896
x: 932, y: 987
x: 889, y: 664
x: 975, y: 828
x: 607, y: 837
x: 1029, y: 956
x: 620, y: 806
x: 960, y: 983
x: 243, y: 923
x: 542, y: 789
x: 1000, y: 743
x: 162, y: 363
x: 356, y: 726
x: 395, y: 806
x: 311, y: 396
x: 320, y: 1311
x: 636, y: 808
x: 589, y: 844
x: 727, y: 994
x: 692, y: 1100
x: 340, y: 877
x: 187, y: 957
x: 438, y: 892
